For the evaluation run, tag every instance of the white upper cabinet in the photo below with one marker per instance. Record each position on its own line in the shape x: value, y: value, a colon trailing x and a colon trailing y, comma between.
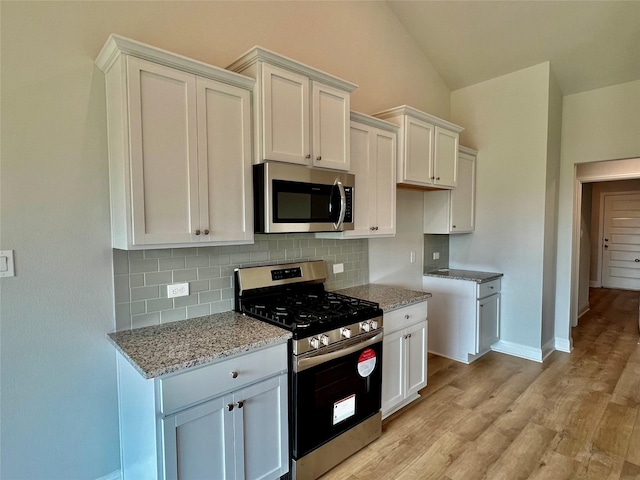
x: 301, y: 114
x: 428, y: 148
x: 373, y: 162
x: 453, y: 211
x: 179, y: 149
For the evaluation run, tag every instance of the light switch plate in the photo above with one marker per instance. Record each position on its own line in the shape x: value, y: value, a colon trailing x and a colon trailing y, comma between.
x: 338, y: 267
x: 7, y: 268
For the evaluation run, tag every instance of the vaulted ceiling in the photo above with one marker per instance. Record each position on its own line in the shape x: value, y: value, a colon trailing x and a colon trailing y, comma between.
x: 590, y: 44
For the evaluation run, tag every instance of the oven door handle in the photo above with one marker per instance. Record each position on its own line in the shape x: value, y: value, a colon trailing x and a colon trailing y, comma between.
x: 309, y: 362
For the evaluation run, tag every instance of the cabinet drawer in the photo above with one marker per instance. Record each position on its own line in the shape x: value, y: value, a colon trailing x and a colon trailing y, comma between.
x: 488, y: 288
x: 193, y: 386
x: 402, y: 317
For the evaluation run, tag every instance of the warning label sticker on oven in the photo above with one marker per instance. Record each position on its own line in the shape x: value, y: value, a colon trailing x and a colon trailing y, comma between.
x: 344, y: 408
x: 366, y: 362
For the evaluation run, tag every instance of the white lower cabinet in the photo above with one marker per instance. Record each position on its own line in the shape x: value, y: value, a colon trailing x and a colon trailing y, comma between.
x: 224, y: 438
x: 464, y: 320
x: 404, y: 358
x: 223, y: 421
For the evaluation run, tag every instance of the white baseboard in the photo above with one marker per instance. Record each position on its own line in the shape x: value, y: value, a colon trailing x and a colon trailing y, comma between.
x: 518, y: 350
x: 548, y: 348
x: 111, y: 476
x: 594, y: 284
x: 563, y: 345
x: 582, y: 310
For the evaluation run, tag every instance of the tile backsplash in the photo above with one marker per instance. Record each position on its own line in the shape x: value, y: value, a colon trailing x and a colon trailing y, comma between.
x: 141, y: 277
x: 433, y: 244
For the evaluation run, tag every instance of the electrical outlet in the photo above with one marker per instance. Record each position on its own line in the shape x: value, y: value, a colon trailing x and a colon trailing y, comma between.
x: 436, y: 255
x: 338, y: 267
x: 177, y: 290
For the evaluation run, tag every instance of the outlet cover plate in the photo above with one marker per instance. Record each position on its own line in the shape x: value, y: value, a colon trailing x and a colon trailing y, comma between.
x: 177, y: 290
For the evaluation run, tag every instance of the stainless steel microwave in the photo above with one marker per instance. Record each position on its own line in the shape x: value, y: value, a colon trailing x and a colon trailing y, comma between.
x: 296, y: 198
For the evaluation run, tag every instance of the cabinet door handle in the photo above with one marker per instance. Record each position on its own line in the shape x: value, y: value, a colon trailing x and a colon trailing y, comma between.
x: 454, y: 226
x: 437, y: 178
x: 230, y: 406
x: 318, y: 158
x: 407, y: 316
x: 197, y: 232
x: 206, y: 231
x: 371, y: 228
x: 307, y: 156
x: 409, y: 336
x: 240, y: 404
x: 234, y: 374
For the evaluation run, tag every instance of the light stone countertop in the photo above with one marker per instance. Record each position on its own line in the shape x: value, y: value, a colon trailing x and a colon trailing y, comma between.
x: 473, y: 276
x: 389, y: 298
x: 162, y: 349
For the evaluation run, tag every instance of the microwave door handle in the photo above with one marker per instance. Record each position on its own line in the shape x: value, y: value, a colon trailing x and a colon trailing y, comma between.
x: 343, y: 204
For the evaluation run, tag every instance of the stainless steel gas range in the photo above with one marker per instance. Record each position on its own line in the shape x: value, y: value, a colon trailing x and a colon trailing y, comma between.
x: 335, y: 361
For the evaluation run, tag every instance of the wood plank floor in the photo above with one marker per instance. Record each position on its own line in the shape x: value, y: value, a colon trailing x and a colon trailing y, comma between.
x: 577, y: 416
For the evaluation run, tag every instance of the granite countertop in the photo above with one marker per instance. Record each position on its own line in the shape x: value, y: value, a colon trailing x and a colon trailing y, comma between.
x: 389, y: 298
x: 175, y: 346
x: 479, y: 277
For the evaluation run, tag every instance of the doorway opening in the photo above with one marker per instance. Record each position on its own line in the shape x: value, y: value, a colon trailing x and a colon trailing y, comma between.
x: 605, y: 177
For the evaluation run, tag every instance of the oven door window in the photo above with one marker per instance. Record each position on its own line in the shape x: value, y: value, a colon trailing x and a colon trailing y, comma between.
x: 301, y: 202
x: 332, y: 397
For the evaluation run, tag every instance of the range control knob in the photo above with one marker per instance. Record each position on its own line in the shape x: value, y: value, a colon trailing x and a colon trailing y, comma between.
x: 374, y: 324
x: 365, y: 326
x: 324, y: 340
x: 314, y: 342
x: 345, y: 332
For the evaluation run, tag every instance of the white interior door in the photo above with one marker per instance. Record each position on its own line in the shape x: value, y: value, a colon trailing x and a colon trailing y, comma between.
x: 621, y: 242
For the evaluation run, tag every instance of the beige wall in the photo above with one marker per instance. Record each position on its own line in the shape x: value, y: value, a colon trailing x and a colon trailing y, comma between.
x: 598, y: 125
x: 59, y: 410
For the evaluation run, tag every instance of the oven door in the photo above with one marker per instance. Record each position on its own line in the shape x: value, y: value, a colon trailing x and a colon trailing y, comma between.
x: 335, y: 390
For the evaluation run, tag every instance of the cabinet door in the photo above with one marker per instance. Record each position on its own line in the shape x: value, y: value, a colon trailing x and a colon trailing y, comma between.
x: 261, y: 424
x: 417, y: 167
x: 393, y: 370
x: 383, y: 196
x: 331, y: 109
x: 224, y: 162
x: 462, y: 209
x: 416, y: 357
x: 488, y: 326
x: 445, y: 158
x: 364, y: 189
x: 198, y: 442
x: 285, y: 116
x: 163, y: 143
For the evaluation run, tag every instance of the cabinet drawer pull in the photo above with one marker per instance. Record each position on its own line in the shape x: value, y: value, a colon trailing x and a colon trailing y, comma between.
x: 234, y: 374
x: 240, y: 404
x: 230, y: 406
